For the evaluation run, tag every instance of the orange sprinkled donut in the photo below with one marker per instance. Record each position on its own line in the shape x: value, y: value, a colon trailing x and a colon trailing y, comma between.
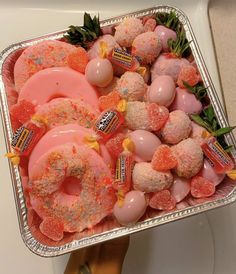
x: 72, y: 184
x: 63, y: 111
x: 43, y: 55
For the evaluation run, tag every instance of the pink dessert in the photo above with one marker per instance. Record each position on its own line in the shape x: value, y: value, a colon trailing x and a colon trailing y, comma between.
x: 209, y: 173
x: 146, y: 179
x: 66, y: 161
x: 177, y: 127
x: 94, y: 148
x: 133, y: 208
x: 186, y: 101
x: 145, y: 144
x: 162, y: 91
x: 70, y: 133
x: 52, y: 83
x: 61, y: 111
x: 43, y: 55
x: 147, y: 47
x: 164, y: 35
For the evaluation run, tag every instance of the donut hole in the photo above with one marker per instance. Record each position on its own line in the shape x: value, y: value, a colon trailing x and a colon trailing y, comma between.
x: 72, y: 186
x: 55, y: 96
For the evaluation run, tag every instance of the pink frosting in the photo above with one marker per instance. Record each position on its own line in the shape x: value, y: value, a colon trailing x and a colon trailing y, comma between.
x: 71, y: 133
x: 51, y: 83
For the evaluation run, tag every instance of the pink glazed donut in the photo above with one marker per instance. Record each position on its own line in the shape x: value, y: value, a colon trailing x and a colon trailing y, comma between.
x: 61, y: 111
x: 78, y: 165
x: 56, y: 82
x: 60, y: 135
x: 45, y: 54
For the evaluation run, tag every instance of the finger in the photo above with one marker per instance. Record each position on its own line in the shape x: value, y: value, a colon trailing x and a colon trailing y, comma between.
x: 111, y: 257
x: 79, y: 260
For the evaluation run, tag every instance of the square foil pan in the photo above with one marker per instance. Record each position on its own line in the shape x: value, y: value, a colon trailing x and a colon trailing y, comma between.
x: 225, y: 194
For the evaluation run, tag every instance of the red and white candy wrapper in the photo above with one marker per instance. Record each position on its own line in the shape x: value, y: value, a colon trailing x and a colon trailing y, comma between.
x: 26, y: 137
x: 108, y: 123
x: 123, y: 59
x: 220, y: 160
x: 124, y: 166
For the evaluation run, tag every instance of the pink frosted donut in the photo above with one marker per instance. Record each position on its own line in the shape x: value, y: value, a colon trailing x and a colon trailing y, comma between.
x: 177, y: 127
x: 189, y: 158
x: 65, y: 164
x: 147, y: 47
x: 63, y: 111
x: 165, y: 65
x: 45, y: 54
x: 186, y: 101
x: 127, y: 30
x: 141, y: 115
x: 56, y: 82
x: 131, y: 86
x: 110, y: 42
x: 60, y: 135
x: 145, y: 144
x: 146, y: 179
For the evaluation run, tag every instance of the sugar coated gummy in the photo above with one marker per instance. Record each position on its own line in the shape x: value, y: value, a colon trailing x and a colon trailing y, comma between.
x: 201, y: 187
x: 162, y: 200
x: 163, y: 159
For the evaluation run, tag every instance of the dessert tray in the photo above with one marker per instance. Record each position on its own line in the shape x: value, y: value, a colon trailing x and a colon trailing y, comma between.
x: 225, y: 193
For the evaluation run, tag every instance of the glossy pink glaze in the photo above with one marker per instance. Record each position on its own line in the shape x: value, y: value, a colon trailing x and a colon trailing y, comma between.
x: 162, y: 91
x: 51, y: 83
x: 209, y: 173
x: 133, y: 208
x: 145, y: 144
x: 99, y: 72
x: 165, y: 34
x: 186, y: 101
x: 71, y: 133
x: 180, y: 188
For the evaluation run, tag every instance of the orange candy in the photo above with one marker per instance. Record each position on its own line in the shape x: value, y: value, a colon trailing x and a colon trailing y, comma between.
x: 109, y: 101
x: 114, y: 145
x: 78, y: 59
x: 162, y: 200
x: 201, y: 187
x: 52, y: 228
x: 163, y: 159
x: 157, y: 116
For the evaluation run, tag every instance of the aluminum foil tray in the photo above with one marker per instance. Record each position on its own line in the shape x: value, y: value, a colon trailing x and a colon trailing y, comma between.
x: 225, y: 194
